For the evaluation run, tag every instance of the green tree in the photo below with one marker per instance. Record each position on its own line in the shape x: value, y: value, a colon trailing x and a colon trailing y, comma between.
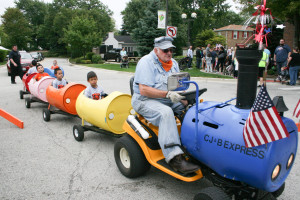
x: 16, y: 27
x: 146, y: 30
x: 82, y: 35
x: 35, y: 12
x: 209, y: 37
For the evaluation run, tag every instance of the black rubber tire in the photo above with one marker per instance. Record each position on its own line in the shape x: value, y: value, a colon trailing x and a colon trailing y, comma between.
x: 212, y: 193
x: 21, y: 94
x: 138, y: 164
x: 27, y: 102
x: 278, y: 192
x: 78, y: 132
x: 46, y: 115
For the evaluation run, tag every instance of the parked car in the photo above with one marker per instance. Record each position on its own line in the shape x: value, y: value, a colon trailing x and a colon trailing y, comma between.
x: 26, y: 59
x: 113, y: 54
x: 36, y: 56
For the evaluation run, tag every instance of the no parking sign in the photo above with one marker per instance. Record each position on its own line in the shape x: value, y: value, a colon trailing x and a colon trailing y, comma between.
x: 171, y: 31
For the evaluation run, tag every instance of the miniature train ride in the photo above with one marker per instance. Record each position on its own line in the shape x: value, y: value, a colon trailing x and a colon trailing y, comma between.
x: 212, y: 137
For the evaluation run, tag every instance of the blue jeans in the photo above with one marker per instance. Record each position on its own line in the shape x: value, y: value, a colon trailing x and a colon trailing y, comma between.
x: 279, y: 65
x: 160, y: 112
x: 293, y: 74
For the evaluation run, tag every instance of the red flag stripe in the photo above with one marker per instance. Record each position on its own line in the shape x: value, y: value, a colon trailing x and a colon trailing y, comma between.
x: 249, y: 134
x: 259, y: 130
x: 255, y: 130
x: 272, y: 126
x: 278, y: 121
x: 265, y: 125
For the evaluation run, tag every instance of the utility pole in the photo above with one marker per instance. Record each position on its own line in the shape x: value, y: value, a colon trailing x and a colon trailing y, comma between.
x: 166, y: 15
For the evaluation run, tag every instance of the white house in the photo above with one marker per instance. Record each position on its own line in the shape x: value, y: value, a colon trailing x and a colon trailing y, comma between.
x: 120, y: 41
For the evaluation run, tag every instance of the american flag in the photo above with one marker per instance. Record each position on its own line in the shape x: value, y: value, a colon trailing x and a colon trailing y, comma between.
x: 297, y: 110
x: 264, y: 124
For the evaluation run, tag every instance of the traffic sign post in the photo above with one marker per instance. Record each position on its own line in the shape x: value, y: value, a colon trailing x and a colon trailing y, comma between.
x: 171, y: 31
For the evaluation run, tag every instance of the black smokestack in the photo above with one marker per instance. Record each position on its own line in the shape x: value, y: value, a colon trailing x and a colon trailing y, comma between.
x: 248, y: 60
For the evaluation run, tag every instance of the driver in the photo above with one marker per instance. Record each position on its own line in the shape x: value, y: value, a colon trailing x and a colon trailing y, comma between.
x: 158, y: 105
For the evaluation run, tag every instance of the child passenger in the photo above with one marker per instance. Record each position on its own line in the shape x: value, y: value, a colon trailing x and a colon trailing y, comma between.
x: 40, y: 73
x: 94, y: 91
x: 59, y: 82
x: 54, y: 66
x: 32, y: 68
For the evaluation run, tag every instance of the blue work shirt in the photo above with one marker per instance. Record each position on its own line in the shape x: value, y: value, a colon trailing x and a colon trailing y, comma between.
x: 282, y: 52
x: 149, y: 71
x: 267, y: 51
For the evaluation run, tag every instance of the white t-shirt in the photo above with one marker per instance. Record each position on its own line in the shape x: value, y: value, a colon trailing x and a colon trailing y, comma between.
x: 94, y: 93
x: 59, y: 84
x: 32, y: 70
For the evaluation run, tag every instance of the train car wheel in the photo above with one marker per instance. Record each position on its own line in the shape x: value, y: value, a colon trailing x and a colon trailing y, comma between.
x: 46, y: 115
x: 130, y: 158
x: 21, y: 94
x: 27, y: 103
x: 78, y: 132
x: 278, y: 192
x: 211, y: 193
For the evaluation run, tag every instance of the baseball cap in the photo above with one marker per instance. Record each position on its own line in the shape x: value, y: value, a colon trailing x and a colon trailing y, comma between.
x: 164, y: 42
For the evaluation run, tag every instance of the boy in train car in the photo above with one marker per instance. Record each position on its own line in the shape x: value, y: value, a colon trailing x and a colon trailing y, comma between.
x: 32, y: 67
x: 94, y: 91
x: 59, y: 82
x: 41, y: 73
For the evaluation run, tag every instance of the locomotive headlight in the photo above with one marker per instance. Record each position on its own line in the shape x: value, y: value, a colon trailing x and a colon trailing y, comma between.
x: 290, y: 161
x: 276, y: 172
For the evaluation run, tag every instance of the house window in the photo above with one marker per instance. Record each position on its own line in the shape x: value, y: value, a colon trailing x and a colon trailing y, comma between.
x: 235, y: 34
x: 219, y: 33
x: 245, y: 34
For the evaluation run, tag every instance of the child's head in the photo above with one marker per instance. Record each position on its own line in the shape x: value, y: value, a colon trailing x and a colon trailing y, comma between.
x: 40, y: 68
x: 33, y: 63
x: 54, y: 62
x: 92, y: 78
x: 58, y: 73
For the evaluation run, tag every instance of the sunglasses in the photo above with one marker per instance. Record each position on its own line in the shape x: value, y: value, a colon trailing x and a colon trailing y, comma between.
x: 167, y: 50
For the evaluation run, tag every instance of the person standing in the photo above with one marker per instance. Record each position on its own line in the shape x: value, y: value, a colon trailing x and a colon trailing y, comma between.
x: 281, y: 54
x: 199, y: 56
x: 294, y: 63
x: 190, y: 55
x: 214, y: 55
x: 15, y: 64
x: 262, y: 65
x: 221, y: 59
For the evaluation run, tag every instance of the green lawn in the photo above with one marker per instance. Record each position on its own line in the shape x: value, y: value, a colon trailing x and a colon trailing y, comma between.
x: 193, y: 72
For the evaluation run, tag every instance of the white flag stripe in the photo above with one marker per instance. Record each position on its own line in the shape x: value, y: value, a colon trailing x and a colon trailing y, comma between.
x: 247, y: 140
x: 273, y: 132
x: 281, y: 129
x: 251, y: 134
x: 262, y: 126
x: 257, y: 131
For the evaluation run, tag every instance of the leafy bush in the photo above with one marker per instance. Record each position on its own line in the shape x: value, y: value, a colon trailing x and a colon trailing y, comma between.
x: 50, y: 54
x: 86, y: 61
x: 96, y: 59
x: 89, y: 55
x: 136, y: 54
x: 3, y: 54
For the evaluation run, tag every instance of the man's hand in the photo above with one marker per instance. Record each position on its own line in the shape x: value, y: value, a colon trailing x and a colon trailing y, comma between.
x: 174, y: 96
x: 15, y: 65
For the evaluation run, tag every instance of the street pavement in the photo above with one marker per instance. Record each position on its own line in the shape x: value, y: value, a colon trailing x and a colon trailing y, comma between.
x: 43, y: 160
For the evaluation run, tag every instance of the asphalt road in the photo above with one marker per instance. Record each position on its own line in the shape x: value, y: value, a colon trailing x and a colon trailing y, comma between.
x: 43, y: 160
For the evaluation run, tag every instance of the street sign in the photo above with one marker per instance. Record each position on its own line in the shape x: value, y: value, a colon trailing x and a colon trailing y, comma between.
x: 172, y: 31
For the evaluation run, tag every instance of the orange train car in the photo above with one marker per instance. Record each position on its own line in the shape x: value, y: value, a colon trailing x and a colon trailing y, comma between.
x: 64, y: 99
